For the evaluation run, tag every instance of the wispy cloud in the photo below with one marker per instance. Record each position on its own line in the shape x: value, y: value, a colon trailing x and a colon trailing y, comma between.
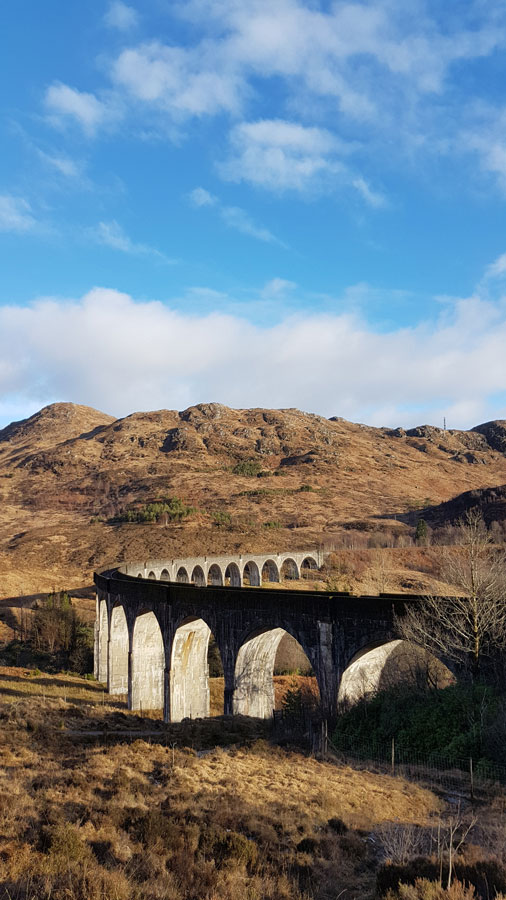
x: 233, y: 216
x: 86, y: 109
x: 277, y: 288
x: 121, y: 16
x: 111, y: 234
x: 62, y: 164
x: 15, y: 214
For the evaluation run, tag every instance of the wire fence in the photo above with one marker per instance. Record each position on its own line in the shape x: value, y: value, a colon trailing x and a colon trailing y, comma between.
x: 467, y: 777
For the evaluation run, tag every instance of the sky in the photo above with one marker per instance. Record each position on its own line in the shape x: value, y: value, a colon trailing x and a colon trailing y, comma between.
x: 271, y: 203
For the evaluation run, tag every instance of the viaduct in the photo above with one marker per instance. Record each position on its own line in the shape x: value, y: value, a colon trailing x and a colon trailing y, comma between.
x: 154, y: 620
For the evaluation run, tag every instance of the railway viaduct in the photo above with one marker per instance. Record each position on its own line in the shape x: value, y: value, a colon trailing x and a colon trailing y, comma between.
x: 154, y: 620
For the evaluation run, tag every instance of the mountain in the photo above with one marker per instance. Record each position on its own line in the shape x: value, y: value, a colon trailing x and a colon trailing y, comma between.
x: 256, y: 478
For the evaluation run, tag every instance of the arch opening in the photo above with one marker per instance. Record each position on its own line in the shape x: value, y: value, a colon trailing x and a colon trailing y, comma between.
x: 118, y: 652
x: 198, y: 577
x: 140, y: 575
x: 258, y: 692
x: 381, y: 666
x: 152, y: 576
x: 270, y: 571
x: 148, y: 663
x: 251, y: 575
x: 308, y: 567
x: 182, y: 575
x: 165, y: 576
x: 103, y: 638
x: 192, y: 663
x: 214, y: 576
x: 289, y: 570
x: 233, y: 575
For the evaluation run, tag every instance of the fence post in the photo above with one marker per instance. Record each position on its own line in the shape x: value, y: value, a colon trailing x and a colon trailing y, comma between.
x: 393, y: 755
x: 472, y: 777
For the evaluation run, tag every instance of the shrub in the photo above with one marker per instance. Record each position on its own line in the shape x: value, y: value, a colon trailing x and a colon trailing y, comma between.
x: 248, y: 467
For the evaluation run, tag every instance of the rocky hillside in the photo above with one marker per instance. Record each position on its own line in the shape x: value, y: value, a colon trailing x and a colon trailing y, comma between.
x: 248, y: 479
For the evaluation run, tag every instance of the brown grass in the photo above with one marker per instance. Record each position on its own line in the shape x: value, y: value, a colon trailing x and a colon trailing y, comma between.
x: 140, y: 820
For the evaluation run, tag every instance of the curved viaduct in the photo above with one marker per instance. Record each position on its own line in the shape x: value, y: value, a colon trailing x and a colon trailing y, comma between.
x: 152, y: 637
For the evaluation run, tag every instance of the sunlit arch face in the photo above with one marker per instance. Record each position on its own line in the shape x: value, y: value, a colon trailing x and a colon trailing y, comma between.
x: 182, y: 575
x: 214, y: 576
x: 270, y: 571
x: 254, y: 686
x: 198, y: 576
x: 148, y: 663
x: 189, y: 671
x: 233, y: 575
x: 384, y: 665
x: 289, y: 570
x: 118, y: 652
x: 251, y: 575
x: 102, y: 642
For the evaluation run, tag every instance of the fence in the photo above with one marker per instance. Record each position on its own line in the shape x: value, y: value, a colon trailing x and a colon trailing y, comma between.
x: 466, y: 777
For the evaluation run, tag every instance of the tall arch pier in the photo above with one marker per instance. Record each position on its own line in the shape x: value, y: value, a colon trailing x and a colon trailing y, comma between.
x: 152, y: 637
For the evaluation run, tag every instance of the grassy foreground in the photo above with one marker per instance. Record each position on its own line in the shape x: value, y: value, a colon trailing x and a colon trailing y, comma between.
x: 141, y: 819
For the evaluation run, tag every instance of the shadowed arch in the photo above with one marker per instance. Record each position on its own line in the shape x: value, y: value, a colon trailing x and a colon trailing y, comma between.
x: 189, y: 671
x: 270, y: 571
x: 152, y: 576
x: 148, y: 663
x: 198, y: 576
x: 182, y: 575
x: 251, y: 574
x: 140, y: 575
x: 165, y: 575
x: 103, y: 638
x: 118, y: 652
x: 233, y: 575
x: 289, y: 570
x: 308, y: 566
x: 254, y: 668
x: 381, y: 665
x: 214, y: 576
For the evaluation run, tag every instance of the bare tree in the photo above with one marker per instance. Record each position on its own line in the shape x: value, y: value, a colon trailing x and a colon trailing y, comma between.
x: 468, y: 630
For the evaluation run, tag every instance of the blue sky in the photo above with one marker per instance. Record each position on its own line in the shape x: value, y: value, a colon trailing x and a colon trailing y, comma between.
x: 261, y: 204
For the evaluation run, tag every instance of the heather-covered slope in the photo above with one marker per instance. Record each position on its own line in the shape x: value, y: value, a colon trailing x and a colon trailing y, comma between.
x: 67, y: 471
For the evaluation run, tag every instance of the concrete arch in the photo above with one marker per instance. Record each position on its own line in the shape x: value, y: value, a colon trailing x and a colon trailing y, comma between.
x: 214, y: 575
x: 118, y: 652
x: 189, y: 671
x: 254, y: 668
x: 148, y: 663
x: 152, y: 576
x: 251, y: 574
x: 289, y: 570
x: 182, y: 575
x: 165, y: 575
x: 270, y: 571
x: 140, y: 575
x: 103, y: 639
x: 198, y: 576
x: 383, y: 664
x: 233, y: 575
x: 307, y: 566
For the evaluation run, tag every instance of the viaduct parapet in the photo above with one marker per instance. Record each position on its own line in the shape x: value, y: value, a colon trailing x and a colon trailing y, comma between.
x: 152, y: 635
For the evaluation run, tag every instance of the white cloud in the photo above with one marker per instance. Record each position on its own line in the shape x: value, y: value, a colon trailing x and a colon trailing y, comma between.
x: 63, y: 164
x: 62, y: 100
x: 200, y: 197
x: 497, y: 268
x: 372, y: 198
x: 281, y: 155
x: 277, y: 288
x: 111, y: 234
x: 233, y: 216
x: 451, y: 365
x: 121, y: 16
x: 15, y: 214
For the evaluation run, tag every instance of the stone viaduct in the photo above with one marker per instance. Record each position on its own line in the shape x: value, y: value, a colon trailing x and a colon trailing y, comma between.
x: 153, y: 626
